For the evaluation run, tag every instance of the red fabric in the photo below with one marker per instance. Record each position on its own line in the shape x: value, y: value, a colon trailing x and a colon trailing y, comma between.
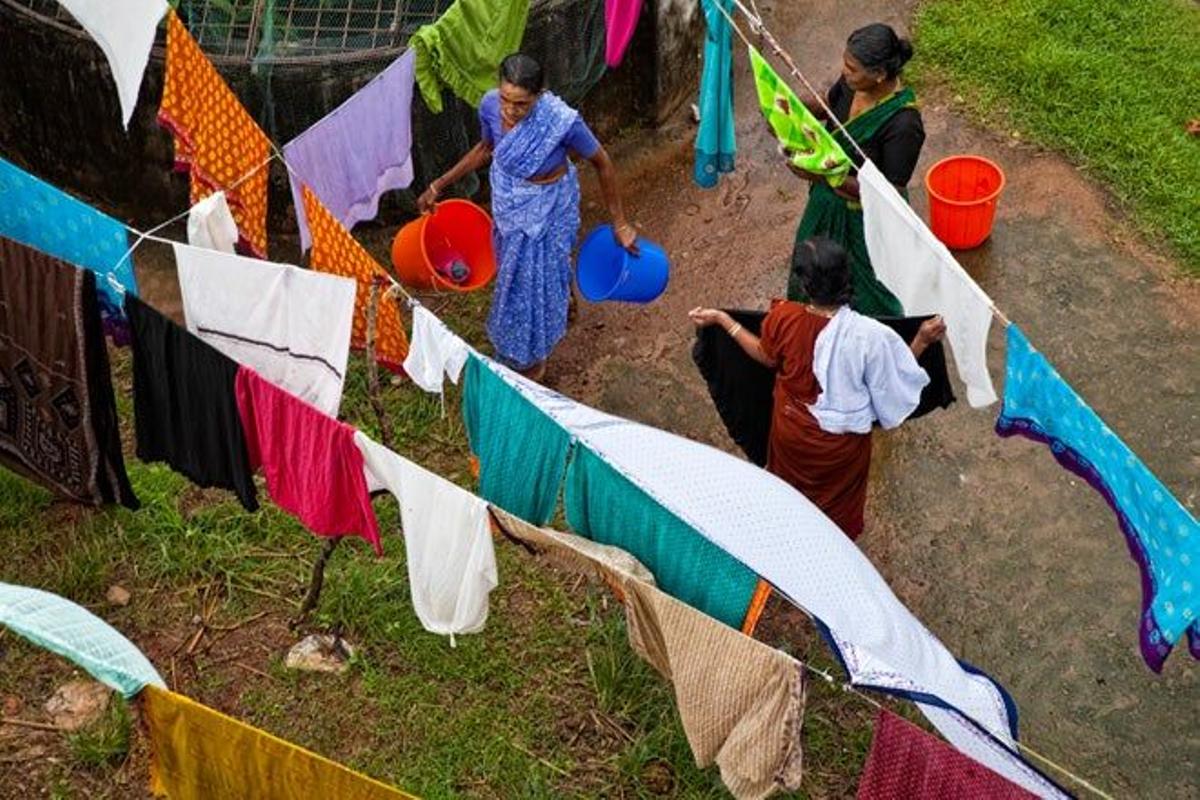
x: 313, y: 469
x: 829, y: 469
x: 906, y: 762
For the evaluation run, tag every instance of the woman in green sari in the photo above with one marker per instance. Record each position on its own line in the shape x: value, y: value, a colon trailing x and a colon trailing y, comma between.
x: 881, y: 115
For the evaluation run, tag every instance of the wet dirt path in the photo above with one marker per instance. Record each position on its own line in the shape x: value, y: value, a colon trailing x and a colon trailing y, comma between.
x: 1015, y: 564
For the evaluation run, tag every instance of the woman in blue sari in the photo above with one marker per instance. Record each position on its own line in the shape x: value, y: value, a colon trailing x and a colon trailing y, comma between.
x: 528, y: 135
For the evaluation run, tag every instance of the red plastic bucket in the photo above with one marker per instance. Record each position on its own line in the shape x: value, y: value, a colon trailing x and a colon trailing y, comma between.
x: 963, y: 192
x: 457, y: 230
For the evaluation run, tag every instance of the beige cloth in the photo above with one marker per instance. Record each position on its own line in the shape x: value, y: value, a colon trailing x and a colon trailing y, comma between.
x: 741, y: 701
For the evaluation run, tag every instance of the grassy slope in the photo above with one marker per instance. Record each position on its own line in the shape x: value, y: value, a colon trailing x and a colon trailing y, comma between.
x: 1110, y: 83
x: 548, y: 702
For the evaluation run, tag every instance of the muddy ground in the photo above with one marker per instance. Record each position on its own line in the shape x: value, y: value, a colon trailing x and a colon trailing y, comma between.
x: 1015, y: 564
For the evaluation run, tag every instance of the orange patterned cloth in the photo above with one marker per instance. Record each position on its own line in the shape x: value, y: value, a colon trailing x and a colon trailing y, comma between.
x: 335, y: 251
x: 216, y: 140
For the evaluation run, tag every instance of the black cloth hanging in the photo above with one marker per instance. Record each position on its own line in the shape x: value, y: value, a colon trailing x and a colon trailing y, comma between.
x: 742, y: 389
x: 185, y: 409
x: 58, y: 416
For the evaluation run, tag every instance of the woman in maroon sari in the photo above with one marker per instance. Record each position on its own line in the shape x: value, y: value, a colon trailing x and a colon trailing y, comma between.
x: 837, y: 374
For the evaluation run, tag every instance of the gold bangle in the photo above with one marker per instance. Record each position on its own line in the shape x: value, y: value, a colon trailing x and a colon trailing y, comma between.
x: 733, y: 329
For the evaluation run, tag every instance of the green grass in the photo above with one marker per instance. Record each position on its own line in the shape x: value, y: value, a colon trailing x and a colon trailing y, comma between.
x: 1110, y: 83
x: 549, y: 701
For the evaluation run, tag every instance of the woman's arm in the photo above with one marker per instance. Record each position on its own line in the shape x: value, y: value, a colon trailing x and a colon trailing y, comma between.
x: 931, y: 330
x: 750, y: 343
x: 607, y: 173
x: 476, y: 158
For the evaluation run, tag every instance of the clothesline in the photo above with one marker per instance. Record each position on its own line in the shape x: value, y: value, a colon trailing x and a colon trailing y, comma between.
x: 149, y: 235
x: 758, y: 26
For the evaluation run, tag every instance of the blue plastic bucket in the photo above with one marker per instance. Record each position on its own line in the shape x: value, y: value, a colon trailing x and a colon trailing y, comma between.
x: 607, y: 271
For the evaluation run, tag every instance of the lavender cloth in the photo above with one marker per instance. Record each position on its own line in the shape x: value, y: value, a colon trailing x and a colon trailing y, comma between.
x: 358, y: 151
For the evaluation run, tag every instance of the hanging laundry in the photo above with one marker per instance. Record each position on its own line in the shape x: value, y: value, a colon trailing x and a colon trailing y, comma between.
x: 435, y: 353
x: 743, y: 390
x: 336, y: 252
x: 1163, y: 538
x: 604, y: 506
x: 620, y: 21
x: 125, y: 30
x: 773, y: 530
x: 77, y: 635
x: 927, y: 279
x: 36, y: 214
x: 464, y: 48
x: 312, y: 467
x: 522, y: 453
x: 211, y: 224
x: 741, y: 702
x: 447, y: 539
x: 185, y: 407
x: 715, y: 141
x: 58, y: 417
x: 906, y: 762
x: 358, y: 151
x: 290, y: 325
x: 200, y: 754
x: 811, y: 146
x: 217, y: 142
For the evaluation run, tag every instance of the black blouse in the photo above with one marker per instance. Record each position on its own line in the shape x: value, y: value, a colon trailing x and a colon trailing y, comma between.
x: 894, y: 148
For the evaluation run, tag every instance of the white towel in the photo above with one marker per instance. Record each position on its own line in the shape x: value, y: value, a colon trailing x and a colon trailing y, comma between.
x: 447, y: 539
x: 211, y: 224
x: 927, y: 279
x: 290, y: 325
x: 434, y: 352
x: 866, y: 372
x: 124, y: 29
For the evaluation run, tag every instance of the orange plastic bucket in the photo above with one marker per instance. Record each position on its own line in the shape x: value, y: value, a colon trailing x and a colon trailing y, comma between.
x: 963, y: 192
x: 456, y: 230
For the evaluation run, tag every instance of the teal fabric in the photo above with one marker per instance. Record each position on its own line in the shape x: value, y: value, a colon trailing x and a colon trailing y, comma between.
x: 522, y: 453
x: 715, y: 140
x: 606, y: 507
x: 78, y: 635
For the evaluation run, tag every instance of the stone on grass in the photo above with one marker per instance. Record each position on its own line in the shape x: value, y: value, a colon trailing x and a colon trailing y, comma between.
x: 118, y: 595
x: 320, y: 653
x: 78, y: 704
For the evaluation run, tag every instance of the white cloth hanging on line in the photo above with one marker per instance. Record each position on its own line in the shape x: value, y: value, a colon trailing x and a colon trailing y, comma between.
x: 211, y: 224
x: 447, y: 539
x: 434, y: 352
x: 124, y: 29
x: 774, y: 530
x: 927, y: 279
x: 290, y: 325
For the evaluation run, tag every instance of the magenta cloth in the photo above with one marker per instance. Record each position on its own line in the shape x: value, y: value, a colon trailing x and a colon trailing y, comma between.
x: 620, y: 19
x: 358, y: 151
x: 906, y: 763
x: 313, y: 469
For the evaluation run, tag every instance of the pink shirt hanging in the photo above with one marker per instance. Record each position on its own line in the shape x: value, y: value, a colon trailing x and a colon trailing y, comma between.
x: 312, y: 467
x: 620, y: 19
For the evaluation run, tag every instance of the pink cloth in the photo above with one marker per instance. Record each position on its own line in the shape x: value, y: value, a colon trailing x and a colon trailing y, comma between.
x: 906, y: 763
x: 313, y: 469
x: 620, y: 19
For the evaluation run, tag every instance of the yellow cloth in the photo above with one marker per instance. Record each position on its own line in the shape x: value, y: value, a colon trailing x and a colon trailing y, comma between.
x: 201, y: 754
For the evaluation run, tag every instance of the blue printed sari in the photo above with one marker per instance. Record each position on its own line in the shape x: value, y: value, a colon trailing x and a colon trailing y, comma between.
x: 534, y: 230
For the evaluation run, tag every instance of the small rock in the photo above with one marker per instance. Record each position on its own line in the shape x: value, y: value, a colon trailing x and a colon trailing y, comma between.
x: 320, y: 653
x: 118, y: 595
x: 12, y: 705
x: 78, y: 704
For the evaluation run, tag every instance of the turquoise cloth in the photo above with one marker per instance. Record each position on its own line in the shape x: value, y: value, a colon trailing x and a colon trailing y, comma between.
x: 78, y: 635
x: 715, y: 144
x: 606, y: 507
x: 1162, y: 536
x: 40, y: 216
x: 522, y: 453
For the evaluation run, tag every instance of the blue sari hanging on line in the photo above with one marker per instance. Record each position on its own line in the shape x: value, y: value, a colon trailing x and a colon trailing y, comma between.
x: 715, y: 144
x: 535, y: 226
